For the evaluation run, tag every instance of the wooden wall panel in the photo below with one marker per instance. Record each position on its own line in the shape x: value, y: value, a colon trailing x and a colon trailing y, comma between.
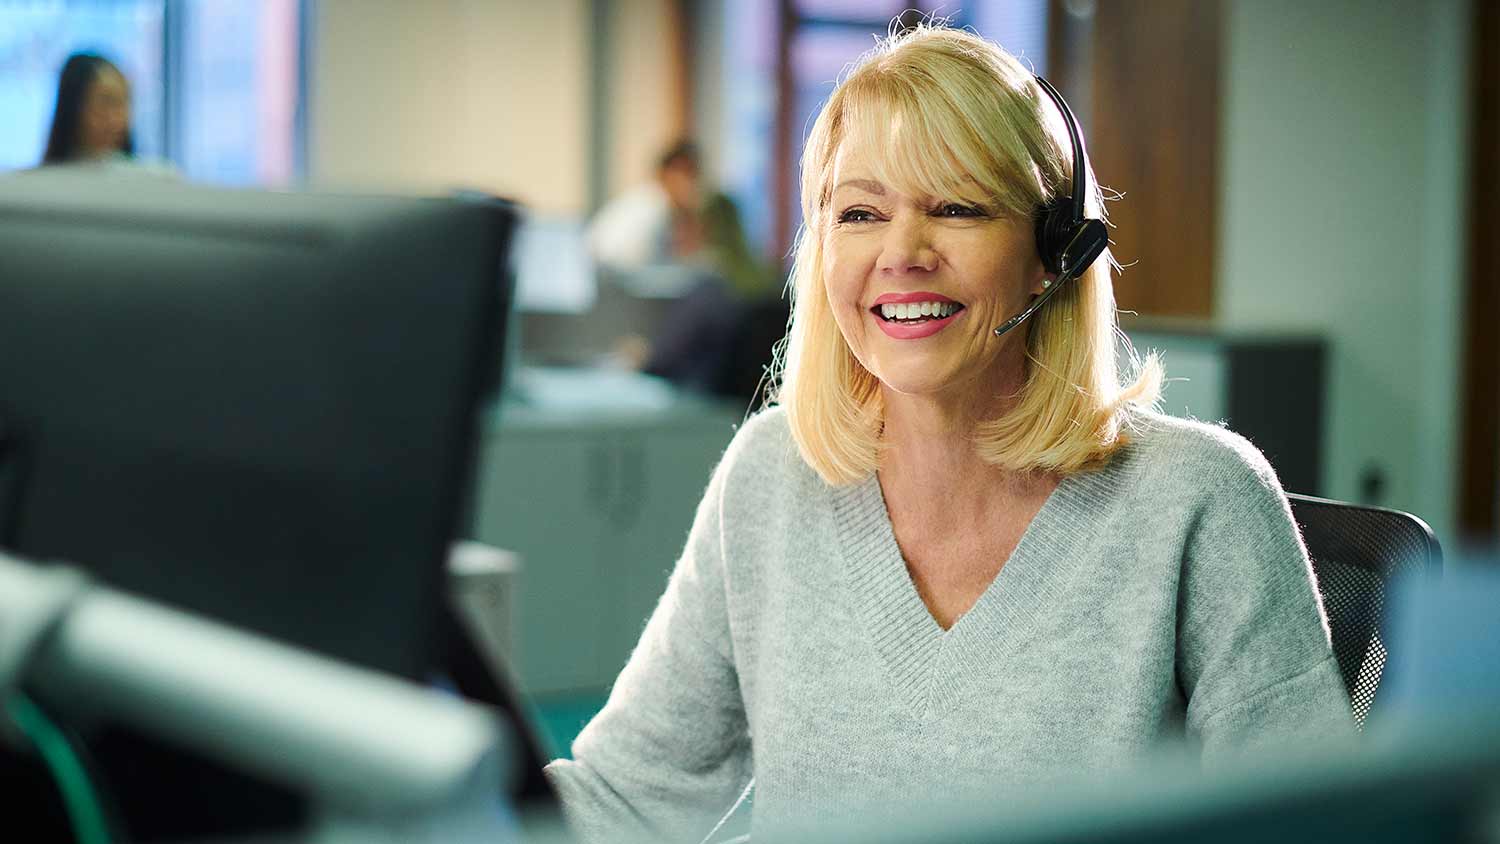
x: 1154, y: 136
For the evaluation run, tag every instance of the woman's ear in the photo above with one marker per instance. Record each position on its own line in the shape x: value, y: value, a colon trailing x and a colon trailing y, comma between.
x: 1041, y: 280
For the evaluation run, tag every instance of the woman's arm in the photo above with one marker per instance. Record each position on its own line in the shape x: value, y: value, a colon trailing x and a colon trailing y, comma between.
x: 670, y: 752
x: 1254, y: 657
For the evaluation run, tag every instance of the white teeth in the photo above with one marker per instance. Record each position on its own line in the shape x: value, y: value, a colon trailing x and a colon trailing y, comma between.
x: 917, y: 310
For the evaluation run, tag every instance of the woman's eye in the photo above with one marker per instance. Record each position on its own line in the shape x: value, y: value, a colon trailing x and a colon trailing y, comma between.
x: 856, y: 215
x: 953, y: 209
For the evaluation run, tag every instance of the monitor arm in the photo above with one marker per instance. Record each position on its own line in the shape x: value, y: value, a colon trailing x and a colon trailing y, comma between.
x: 357, y: 742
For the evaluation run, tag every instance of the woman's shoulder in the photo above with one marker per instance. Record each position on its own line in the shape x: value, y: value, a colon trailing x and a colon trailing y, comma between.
x: 763, y: 444
x: 1209, y: 454
x: 763, y: 459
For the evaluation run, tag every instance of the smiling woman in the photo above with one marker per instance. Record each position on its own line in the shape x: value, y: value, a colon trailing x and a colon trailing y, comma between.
x: 957, y: 562
x: 897, y: 164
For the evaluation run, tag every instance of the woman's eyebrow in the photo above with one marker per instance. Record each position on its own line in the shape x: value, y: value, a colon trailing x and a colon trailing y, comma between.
x: 866, y: 185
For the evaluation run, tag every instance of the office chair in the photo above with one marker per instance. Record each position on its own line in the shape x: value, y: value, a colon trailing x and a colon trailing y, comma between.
x: 1357, y: 552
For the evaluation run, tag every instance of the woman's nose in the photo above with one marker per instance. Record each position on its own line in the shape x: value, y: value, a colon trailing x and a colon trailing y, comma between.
x: 907, y: 246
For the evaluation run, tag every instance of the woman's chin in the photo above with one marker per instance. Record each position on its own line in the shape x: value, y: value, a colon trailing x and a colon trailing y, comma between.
x: 920, y: 382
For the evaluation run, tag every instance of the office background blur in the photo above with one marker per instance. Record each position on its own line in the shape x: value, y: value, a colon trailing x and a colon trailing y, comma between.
x: 1312, y: 170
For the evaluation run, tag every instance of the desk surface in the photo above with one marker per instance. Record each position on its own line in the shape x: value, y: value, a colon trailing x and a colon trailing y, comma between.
x: 597, y: 398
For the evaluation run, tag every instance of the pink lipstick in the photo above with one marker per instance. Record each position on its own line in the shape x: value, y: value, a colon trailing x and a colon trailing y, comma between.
x: 918, y: 327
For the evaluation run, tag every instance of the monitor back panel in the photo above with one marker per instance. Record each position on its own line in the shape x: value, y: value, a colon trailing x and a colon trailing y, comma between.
x: 256, y: 406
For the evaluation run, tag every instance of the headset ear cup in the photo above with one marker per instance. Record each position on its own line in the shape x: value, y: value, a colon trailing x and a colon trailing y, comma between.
x: 1085, y: 242
x: 1054, y: 230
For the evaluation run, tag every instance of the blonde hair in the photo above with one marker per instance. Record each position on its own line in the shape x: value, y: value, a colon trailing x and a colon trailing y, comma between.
x: 962, y: 119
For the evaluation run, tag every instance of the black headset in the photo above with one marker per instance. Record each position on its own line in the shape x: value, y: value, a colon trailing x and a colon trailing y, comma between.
x: 1067, y: 241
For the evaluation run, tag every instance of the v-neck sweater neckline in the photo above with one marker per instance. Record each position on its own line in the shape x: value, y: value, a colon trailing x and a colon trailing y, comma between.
x: 926, y: 663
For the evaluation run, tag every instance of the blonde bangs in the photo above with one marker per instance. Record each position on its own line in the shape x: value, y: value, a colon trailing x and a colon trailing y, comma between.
x: 930, y: 118
x: 920, y: 158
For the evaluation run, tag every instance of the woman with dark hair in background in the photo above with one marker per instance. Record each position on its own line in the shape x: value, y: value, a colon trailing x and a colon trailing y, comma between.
x: 92, y: 119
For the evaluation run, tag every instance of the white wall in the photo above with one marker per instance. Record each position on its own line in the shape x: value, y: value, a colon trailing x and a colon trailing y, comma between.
x: 642, y: 118
x: 1344, y: 133
x: 429, y: 96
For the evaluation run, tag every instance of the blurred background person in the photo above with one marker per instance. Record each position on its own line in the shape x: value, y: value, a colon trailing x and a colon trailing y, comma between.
x: 678, y: 221
x: 678, y: 238
x: 91, y: 123
x: 92, y: 119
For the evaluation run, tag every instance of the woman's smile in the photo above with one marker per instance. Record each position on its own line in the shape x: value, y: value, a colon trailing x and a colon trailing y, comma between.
x: 913, y: 316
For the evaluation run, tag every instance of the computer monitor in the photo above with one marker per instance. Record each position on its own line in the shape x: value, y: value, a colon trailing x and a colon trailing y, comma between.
x: 260, y: 407
x: 554, y: 270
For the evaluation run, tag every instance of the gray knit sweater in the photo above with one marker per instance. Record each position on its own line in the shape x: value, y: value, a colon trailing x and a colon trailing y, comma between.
x: 1164, y: 598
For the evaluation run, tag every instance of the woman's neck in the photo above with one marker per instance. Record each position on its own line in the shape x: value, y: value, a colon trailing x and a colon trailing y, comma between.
x: 928, y: 441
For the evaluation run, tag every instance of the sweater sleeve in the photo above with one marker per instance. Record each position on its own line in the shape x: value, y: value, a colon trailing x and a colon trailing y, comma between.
x: 670, y: 751
x: 1254, y: 656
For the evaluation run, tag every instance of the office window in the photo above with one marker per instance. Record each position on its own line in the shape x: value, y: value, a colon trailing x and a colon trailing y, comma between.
x: 1019, y: 26
x: 749, y: 74
x: 239, y: 88
x: 879, y: 11
x: 216, y: 85
x: 37, y: 37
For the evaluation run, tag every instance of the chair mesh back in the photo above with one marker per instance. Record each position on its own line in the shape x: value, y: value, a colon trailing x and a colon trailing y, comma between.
x: 1356, y: 553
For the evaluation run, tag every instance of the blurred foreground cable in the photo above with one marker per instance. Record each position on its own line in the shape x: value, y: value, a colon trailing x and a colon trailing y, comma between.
x: 85, y: 813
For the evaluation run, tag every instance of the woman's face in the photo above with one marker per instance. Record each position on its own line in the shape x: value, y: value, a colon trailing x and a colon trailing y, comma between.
x: 953, y: 272
x: 106, y: 115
